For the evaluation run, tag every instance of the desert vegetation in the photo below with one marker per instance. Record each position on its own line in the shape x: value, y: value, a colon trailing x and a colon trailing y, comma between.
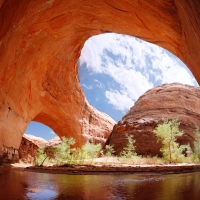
x: 167, y: 132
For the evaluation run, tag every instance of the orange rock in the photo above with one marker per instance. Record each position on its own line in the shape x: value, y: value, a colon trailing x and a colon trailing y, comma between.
x: 172, y: 101
x: 53, y: 142
x: 29, y: 146
x: 40, y: 142
x: 40, y: 43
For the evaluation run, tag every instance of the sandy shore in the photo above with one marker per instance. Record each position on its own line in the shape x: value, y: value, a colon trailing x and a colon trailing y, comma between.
x: 21, y: 165
x: 117, y: 169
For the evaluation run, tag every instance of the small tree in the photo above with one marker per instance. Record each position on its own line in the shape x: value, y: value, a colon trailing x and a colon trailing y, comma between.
x: 41, y: 156
x: 129, y: 149
x: 63, y: 152
x: 196, y: 150
x: 109, y: 150
x: 90, y: 150
x: 167, y: 133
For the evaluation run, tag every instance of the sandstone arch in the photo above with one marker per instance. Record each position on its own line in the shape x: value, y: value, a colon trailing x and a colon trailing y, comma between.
x: 41, y: 40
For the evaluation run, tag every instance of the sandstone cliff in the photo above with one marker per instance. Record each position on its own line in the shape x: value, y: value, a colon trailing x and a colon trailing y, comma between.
x: 40, y: 43
x: 167, y: 101
x: 29, y: 146
x: 27, y: 151
x: 53, y: 142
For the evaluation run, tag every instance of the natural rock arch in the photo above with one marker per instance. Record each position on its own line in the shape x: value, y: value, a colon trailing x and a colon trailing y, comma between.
x: 40, y: 43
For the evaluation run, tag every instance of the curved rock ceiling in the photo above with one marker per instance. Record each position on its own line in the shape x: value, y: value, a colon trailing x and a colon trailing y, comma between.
x: 40, y: 43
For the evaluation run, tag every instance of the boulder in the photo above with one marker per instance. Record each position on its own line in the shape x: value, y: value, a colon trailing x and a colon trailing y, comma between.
x: 171, y: 101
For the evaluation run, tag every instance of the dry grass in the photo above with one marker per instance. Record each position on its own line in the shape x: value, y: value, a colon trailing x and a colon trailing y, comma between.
x: 130, y: 161
x: 113, y: 160
x: 119, y: 161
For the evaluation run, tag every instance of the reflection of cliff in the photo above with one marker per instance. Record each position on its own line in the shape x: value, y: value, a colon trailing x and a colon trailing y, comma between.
x: 15, y: 184
x: 129, y: 186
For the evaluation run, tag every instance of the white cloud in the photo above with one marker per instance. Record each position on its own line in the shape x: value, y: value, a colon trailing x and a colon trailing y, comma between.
x: 52, y: 132
x: 133, y: 64
x: 120, y: 101
x: 98, y: 83
x: 89, y: 87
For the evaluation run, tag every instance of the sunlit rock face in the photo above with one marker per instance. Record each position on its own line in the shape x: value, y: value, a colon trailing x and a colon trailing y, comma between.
x: 171, y: 101
x: 29, y: 146
x: 53, y: 142
x: 96, y: 127
x: 40, y: 43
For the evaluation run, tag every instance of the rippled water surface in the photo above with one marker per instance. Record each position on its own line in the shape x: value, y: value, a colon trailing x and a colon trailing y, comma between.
x: 18, y: 184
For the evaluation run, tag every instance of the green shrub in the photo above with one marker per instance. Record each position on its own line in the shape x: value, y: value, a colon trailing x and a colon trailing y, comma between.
x: 196, y: 150
x: 90, y: 150
x: 129, y: 149
x: 41, y: 157
x: 63, y: 152
x: 109, y: 150
x: 167, y: 133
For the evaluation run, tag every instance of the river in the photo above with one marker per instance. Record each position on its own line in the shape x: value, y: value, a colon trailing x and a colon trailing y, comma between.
x: 18, y: 184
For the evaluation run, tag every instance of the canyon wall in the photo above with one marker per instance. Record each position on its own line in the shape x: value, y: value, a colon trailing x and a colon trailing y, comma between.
x: 40, y: 43
x: 28, y: 148
x: 171, y: 101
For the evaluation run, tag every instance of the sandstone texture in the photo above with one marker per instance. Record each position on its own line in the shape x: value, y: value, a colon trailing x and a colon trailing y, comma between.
x: 172, y: 101
x: 40, y: 142
x: 40, y: 43
x: 53, y: 142
x: 26, y: 152
x: 29, y: 146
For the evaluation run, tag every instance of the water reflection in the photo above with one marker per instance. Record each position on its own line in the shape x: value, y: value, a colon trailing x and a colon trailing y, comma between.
x: 17, y: 184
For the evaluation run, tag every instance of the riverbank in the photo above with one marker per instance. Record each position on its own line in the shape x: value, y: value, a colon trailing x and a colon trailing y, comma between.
x: 116, y: 169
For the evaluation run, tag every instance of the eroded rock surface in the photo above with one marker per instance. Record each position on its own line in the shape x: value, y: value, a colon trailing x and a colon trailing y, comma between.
x: 53, y: 142
x: 29, y: 146
x: 40, y: 43
x: 172, y: 101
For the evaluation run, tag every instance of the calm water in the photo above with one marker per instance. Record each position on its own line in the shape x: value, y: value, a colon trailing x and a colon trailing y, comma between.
x: 18, y: 184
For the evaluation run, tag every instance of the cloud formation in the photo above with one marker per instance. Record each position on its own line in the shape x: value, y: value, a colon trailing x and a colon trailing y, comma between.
x: 89, y: 87
x: 120, y: 100
x: 134, y: 65
x: 98, y: 83
x: 52, y: 132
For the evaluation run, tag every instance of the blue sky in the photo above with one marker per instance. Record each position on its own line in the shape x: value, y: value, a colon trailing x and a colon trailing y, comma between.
x: 116, y: 69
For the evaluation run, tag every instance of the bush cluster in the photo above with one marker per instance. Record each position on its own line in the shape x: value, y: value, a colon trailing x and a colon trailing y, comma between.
x: 167, y: 132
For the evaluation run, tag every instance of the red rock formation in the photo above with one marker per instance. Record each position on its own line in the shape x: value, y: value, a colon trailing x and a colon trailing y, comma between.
x: 40, y: 43
x: 53, y: 142
x: 40, y: 142
x: 27, y: 151
x: 51, y: 145
x: 172, y: 101
x: 29, y: 146
x: 96, y: 125
x: 9, y: 155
